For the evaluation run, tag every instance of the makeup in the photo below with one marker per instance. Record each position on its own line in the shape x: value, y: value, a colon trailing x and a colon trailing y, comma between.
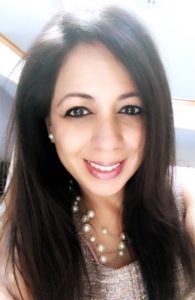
x: 104, y: 171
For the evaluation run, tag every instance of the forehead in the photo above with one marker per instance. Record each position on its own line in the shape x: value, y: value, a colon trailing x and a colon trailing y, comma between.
x: 92, y: 68
x: 95, y: 55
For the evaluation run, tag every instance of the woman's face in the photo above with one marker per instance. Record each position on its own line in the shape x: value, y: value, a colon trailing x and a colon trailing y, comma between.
x: 97, y: 122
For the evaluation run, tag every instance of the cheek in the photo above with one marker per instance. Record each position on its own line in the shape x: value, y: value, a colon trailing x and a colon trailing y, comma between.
x: 136, y: 138
x: 69, y: 141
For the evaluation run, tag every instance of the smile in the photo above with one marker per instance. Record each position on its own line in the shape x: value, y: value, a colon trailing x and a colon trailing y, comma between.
x: 104, y: 170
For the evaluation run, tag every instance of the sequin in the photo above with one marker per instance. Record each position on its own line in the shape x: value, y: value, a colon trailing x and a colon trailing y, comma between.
x: 125, y: 283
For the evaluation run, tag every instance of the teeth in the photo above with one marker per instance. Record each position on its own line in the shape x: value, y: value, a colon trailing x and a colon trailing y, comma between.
x: 103, y: 168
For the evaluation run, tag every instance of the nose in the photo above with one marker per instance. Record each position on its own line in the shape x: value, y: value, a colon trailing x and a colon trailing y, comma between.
x: 107, y: 134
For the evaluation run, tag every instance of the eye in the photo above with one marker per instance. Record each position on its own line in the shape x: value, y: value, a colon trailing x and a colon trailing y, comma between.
x: 77, y: 112
x: 131, y: 110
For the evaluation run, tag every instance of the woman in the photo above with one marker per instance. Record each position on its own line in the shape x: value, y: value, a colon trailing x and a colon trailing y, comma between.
x: 93, y: 210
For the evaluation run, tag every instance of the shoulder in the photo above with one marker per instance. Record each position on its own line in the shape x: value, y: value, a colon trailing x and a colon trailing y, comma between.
x: 8, y: 285
x: 4, y: 295
x: 187, y: 179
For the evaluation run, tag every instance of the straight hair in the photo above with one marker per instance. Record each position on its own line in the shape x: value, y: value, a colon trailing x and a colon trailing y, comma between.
x: 43, y: 243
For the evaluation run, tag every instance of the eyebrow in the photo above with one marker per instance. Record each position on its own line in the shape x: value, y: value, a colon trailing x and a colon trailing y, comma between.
x: 89, y: 97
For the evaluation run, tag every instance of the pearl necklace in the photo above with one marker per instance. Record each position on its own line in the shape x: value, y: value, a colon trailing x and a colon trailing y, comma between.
x: 87, y: 228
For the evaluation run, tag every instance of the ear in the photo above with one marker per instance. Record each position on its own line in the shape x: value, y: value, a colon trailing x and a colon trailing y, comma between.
x: 48, y: 124
x: 49, y: 129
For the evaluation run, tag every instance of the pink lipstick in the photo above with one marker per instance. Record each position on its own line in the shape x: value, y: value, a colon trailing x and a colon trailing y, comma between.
x: 104, y: 171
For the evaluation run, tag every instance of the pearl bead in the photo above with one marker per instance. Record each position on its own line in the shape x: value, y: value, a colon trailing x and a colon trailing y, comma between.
x: 103, y: 259
x: 100, y: 248
x: 92, y: 239
x: 105, y: 230
x: 122, y: 236
x: 91, y: 214
x: 87, y: 228
x: 85, y: 219
x: 75, y: 208
x: 122, y: 246
x: 121, y: 253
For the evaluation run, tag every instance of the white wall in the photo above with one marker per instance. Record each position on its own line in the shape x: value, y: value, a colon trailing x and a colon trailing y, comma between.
x: 172, y: 24
x: 6, y: 102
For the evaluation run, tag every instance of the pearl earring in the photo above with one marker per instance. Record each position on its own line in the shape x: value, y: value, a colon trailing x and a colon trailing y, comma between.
x: 51, y: 137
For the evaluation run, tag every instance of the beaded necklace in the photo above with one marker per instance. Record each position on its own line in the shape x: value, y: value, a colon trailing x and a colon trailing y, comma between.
x: 87, y: 228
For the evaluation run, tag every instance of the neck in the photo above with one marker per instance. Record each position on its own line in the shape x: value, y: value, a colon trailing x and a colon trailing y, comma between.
x: 101, y: 226
x: 108, y: 210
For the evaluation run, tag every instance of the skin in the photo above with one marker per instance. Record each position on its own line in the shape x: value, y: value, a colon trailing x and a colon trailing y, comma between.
x: 106, y: 134
x: 189, y: 202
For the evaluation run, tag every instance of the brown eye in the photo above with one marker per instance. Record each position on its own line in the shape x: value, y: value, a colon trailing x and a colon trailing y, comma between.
x: 131, y: 110
x: 77, y: 112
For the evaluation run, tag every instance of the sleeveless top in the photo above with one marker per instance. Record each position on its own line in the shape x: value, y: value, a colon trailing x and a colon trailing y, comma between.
x: 125, y: 283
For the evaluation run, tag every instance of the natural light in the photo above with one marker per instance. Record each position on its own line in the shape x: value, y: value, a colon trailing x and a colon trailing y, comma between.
x: 11, y: 63
x: 152, y: 11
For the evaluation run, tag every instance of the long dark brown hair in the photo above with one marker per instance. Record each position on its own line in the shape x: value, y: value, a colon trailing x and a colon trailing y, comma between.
x: 43, y: 245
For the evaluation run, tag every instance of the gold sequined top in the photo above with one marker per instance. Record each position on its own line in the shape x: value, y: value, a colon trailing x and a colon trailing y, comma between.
x: 125, y: 283
x: 113, y: 284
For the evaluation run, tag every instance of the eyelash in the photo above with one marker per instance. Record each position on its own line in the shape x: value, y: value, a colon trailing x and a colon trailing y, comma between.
x: 132, y: 109
x: 78, y: 109
x: 81, y: 111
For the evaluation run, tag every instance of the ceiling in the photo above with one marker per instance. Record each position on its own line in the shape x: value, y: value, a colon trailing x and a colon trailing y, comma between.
x: 171, y: 23
x: 22, y: 20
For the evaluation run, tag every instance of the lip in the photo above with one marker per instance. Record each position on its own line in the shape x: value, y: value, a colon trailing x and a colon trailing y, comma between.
x: 105, y: 175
